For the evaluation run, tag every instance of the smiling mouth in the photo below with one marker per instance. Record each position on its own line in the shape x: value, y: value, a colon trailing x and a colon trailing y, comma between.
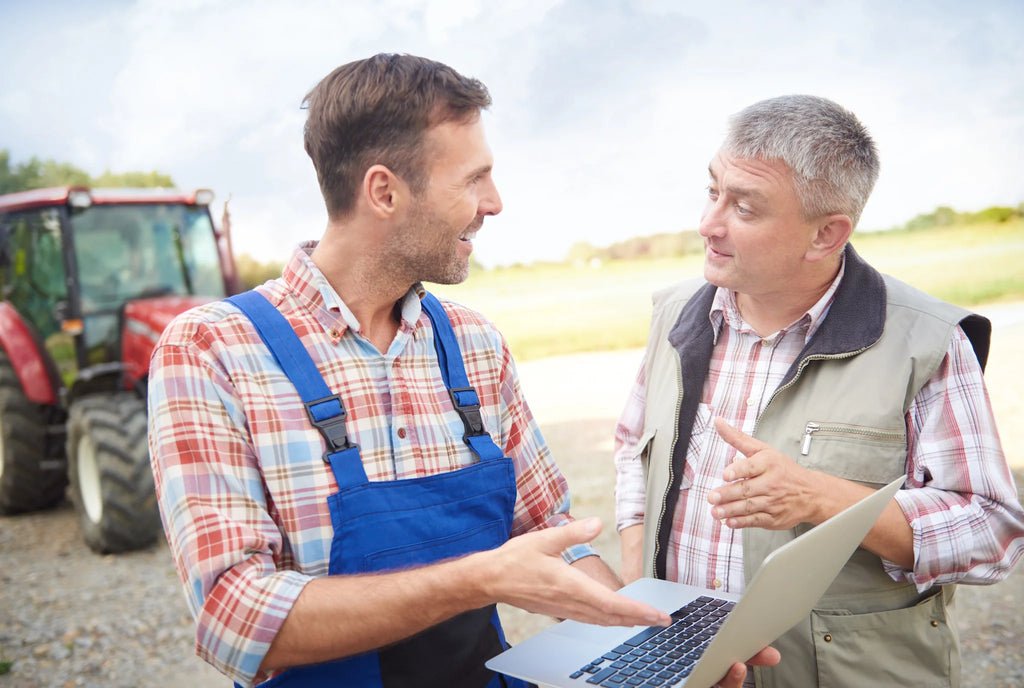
x: 471, y: 231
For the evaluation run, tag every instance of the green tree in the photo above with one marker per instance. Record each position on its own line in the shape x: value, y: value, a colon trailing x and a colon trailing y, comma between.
x: 133, y: 180
x: 39, y: 174
x: 253, y: 272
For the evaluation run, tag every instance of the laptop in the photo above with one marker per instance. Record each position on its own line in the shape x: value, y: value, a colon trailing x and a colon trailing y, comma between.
x: 710, y: 631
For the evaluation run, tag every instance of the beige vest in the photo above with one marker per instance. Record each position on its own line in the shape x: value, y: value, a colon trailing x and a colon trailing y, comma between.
x: 866, y: 630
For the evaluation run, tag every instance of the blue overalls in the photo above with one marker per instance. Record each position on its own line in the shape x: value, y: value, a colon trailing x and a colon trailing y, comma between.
x: 385, y: 525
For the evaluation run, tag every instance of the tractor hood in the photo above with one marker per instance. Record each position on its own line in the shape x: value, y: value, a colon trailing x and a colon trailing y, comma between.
x: 144, y: 322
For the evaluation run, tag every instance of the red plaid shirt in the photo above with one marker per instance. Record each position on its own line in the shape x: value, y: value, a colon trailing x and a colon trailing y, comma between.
x: 239, y: 476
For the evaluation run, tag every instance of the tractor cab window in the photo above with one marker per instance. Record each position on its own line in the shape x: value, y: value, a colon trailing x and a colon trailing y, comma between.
x: 134, y: 251
x: 34, y: 280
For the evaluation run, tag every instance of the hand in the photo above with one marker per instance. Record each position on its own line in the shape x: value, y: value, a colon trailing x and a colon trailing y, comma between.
x: 734, y: 679
x: 766, y: 488
x: 528, y: 572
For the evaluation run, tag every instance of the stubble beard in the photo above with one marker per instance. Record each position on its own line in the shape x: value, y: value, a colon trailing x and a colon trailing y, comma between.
x: 432, y: 251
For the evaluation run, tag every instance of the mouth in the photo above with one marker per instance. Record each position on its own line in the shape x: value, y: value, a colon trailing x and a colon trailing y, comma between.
x: 711, y: 252
x: 471, y: 231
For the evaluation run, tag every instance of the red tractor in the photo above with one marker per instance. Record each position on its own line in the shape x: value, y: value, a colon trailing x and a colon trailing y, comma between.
x: 89, y: 280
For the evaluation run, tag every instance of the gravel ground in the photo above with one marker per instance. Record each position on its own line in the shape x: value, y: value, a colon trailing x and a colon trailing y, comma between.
x: 69, y: 617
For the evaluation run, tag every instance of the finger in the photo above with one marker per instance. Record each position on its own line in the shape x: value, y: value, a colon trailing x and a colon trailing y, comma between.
x: 741, y: 441
x: 769, y: 656
x: 734, y: 679
x: 596, y: 604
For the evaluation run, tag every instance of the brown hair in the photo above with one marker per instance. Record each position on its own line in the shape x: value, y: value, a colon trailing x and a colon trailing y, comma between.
x: 376, y: 111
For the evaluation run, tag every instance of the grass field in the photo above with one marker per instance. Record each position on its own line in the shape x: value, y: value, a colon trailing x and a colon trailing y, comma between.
x: 548, y: 310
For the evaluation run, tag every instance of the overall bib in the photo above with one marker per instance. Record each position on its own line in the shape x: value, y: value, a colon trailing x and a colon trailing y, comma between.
x: 386, y: 525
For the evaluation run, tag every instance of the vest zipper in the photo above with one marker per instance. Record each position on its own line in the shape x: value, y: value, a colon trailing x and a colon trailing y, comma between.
x: 799, y: 372
x: 813, y: 427
x: 671, y: 464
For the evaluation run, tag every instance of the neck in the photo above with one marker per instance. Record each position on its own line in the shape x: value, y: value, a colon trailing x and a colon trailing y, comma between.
x: 769, y: 312
x: 356, y: 270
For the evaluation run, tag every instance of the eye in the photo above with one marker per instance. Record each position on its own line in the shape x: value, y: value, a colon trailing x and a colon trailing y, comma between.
x: 712, y: 193
x: 740, y: 210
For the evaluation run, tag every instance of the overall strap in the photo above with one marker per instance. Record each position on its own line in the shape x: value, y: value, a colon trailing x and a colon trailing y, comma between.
x: 464, y: 397
x: 325, y: 410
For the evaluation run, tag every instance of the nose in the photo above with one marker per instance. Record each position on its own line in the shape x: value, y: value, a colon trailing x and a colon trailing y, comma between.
x: 710, y: 221
x: 490, y: 200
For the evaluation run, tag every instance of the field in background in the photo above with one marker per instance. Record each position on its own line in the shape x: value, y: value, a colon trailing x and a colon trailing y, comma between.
x: 547, y: 310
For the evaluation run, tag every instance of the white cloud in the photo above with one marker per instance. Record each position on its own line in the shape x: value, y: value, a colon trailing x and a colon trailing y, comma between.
x: 605, y: 116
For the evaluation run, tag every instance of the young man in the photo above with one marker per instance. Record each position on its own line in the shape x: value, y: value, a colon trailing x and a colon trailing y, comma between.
x: 340, y: 459
x: 847, y: 379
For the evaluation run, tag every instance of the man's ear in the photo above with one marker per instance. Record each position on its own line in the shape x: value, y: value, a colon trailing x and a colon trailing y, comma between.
x: 382, y: 191
x: 833, y: 233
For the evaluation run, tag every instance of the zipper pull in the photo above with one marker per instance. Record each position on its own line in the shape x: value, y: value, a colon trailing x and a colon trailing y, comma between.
x: 811, y: 428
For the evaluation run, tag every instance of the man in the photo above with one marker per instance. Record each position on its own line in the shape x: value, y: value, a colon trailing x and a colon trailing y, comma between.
x: 340, y: 459
x: 790, y: 384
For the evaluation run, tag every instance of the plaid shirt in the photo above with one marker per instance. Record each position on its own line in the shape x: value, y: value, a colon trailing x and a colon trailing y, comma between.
x: 967, y: 523
x: 240, y: 479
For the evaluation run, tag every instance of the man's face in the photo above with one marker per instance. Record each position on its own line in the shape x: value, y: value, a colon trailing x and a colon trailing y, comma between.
x: 755, y: 237
x: 437, y: 239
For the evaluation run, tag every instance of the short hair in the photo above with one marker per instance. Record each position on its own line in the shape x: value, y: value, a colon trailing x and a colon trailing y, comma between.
x: 831, y: 154
x: 377, y: 110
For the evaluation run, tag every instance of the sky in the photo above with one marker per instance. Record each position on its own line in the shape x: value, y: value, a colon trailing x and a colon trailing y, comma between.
x: 605, y: 116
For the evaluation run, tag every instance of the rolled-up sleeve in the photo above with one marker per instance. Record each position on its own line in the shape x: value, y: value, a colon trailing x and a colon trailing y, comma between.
x: 967, y: 522
x: 212, y: 502
x: 630, y: 489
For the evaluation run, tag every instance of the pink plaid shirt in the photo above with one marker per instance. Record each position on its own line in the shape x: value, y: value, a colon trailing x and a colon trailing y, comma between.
x: 241, y: 483
x: 964, y: 512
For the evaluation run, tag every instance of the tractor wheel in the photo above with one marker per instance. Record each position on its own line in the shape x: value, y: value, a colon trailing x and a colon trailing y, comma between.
x: 31, y: 477
x: 111, y: 480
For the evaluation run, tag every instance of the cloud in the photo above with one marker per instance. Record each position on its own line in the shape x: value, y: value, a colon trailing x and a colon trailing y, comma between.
x: 605, y: 115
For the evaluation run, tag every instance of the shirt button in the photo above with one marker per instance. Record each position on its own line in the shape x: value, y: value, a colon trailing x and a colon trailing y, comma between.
x: 766, y: 342
x: 401, y: 433
x: 717, y: 583
x: 335, y: 334
x: 751, y: 401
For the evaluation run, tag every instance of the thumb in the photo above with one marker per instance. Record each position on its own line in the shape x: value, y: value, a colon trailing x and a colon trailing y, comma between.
x: 742, y: 442
x: 575, y: 533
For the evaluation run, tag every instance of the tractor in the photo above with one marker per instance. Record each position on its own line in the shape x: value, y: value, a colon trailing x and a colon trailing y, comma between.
x: 89, y: 278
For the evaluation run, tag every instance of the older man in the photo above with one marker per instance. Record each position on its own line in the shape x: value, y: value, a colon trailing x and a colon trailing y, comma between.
x: 791, y: 383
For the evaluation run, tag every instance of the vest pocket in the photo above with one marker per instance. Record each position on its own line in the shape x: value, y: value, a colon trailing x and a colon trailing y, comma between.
x: 855, y: 452
x: 913, y: 646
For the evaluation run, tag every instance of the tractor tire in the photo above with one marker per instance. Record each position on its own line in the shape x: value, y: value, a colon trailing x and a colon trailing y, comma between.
x: 111, y: 479
x: 32, y: 475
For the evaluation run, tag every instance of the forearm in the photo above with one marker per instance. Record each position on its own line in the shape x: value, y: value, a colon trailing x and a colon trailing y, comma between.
x: 632, y: 542
x: 340, y: 616
x: 891, y: 538
x: 343, y: 615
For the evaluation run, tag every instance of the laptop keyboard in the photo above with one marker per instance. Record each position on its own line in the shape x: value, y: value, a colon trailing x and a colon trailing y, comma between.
x: 660, y: 655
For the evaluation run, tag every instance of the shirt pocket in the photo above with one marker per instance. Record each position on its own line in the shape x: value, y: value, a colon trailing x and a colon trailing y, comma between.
x: 701, y: 443
x: 913, y: 646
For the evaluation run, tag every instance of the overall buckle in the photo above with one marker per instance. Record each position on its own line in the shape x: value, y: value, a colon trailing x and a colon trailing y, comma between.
x: 467, y: 405
x: 332, y: 426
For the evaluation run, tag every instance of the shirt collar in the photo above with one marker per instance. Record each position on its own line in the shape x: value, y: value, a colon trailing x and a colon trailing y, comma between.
x: 724, y: 310
x: 316, y: 294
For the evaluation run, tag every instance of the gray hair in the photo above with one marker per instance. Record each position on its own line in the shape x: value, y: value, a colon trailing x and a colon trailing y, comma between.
x: 832, y: 156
